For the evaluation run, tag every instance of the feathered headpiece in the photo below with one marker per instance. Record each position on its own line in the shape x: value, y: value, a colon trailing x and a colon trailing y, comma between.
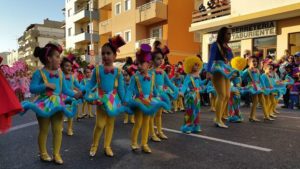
x: 116, y: 42
x: 144, y: 53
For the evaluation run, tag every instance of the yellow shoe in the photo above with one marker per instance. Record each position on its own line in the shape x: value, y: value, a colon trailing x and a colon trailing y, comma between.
x: 146, y: 149
x: 254, y: 120
x: 58, y: 159
x: 134, y: 147
x: 91, y: 116
x: 70, y: 132
x: 93, y: 151
x: 162, y: 136
x: 155, y: 138
x: 273, y: 115
x: 45, y: 157
x: 125, y: 121
x: 108, y: 152
x: 268, y: 119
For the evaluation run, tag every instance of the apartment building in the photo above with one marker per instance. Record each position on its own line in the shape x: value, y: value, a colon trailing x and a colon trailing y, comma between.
x: 89, y: 24
x: 39, y: 35
x: 269, y: 27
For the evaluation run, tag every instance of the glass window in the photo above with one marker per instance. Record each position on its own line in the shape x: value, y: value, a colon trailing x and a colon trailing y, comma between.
x: 294, y: 42
x: 127, y: 5
x: 235, y: 47
x: 266, y: 46
x: 69, y: 31
x: 156, y: 32
x: 69, y: 12
x: 118, y: 8
x: 127, y: 36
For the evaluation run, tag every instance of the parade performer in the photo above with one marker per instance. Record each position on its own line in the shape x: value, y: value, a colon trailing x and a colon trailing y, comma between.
x: 178, y: 82
x: 163, y: 85
x: 87, y: 77
x: 191, y: 89
x: 71, y: 83
x: 110, y: 83
x: 220, y: 56
x: 235, y: 115
x: 128, y: 72
x: 143, y: 97
x: 49, y: 83
x: 9, y: 102
x: 255, y: 87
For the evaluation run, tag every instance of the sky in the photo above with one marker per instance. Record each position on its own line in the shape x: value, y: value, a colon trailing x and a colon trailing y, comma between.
x: 16, y: 15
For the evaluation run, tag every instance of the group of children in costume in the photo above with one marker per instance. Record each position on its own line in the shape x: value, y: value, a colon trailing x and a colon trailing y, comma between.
x: 144, y: 90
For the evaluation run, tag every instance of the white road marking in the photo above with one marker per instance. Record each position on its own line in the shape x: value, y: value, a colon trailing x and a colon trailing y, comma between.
x: 221, y: 140
x: 23, y: 126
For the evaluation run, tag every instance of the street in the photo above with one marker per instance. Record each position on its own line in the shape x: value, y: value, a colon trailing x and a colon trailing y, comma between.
x: 242, y: 146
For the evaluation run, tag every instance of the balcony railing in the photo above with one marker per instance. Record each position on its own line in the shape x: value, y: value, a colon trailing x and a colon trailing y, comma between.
x: 86, y: 37
x: 105, y: 27
x: 104, y: 3
x: 211, y: 14
x: 85, y: 15
x: 152, y: 12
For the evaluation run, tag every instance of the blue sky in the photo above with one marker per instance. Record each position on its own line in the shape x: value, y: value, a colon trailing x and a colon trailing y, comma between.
x: 16, y: 15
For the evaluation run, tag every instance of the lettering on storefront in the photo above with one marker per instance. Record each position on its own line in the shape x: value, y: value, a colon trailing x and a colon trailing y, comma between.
x: 250, y: 31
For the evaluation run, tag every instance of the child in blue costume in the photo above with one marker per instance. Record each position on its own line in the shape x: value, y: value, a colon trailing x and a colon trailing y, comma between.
x: 164, y: 86
x: 269, y: 84
x: 256, y: 88
x: 218, y: 66
x: 191, y: 89
x: 88, y: 74
x: 71, y: 83
x: 127, y: 73
x: 235, y: 116
x: 178, y: 82
x: 49, y: 83
x: 212, y: 95
x: 147, y: 100
x: 111, y: 91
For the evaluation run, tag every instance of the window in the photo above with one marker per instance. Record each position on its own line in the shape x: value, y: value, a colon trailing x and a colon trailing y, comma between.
x: 127, y: 5
x: 69, y: 31
x: 294, y: 42
x: 127, y: 35
x: 156, y: 32
x: 265, y: 45
x: 118, y: 33
x: 118, y: 8
x: 235, y: 48
x: 69, y: 12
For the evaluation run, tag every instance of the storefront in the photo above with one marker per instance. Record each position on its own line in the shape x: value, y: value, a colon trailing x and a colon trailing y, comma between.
x: 270, y: 38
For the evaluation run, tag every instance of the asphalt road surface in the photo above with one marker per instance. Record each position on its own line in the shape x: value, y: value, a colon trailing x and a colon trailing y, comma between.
x: 246, y: 145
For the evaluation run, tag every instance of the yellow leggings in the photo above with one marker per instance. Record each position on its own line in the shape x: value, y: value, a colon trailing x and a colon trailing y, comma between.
x: 222, y: 86
x: 89, y: 107
x: 178, y: 104
x: 261, y: 99
x: 141, y: 121
x: 56, y: 125
x: 103, y: 121
x: 130, y: 117
x: 158, y: 121
x: 272, y: 103
x: 212, y: 102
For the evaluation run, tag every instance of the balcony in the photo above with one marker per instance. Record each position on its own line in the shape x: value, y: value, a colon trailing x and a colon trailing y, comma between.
x: 149, y: 41
x: 105, y: 27
x: 84, y: 15
x: 217, y: 12
x: 152, y: 12
x: 86, y: 37
x: 105, y: 4
x: 31, y: 34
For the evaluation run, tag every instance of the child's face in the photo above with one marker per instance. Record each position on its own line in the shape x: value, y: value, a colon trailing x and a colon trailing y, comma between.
x: 54, y: 60
x: 126, y: 76
x: 253, y: 62
x: 269, y: 68
x: 195, y: 68
x: 158, y: 60
x: 108, y: 57
x: 67, y: 68
x: 143, y: 67
x: 88, y: 73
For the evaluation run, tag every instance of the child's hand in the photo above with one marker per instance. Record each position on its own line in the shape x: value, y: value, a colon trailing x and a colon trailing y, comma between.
x: 78, y: 95
x: 50, y: 86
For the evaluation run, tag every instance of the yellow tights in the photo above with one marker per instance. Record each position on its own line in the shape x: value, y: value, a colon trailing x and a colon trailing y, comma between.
x: 141, y: 121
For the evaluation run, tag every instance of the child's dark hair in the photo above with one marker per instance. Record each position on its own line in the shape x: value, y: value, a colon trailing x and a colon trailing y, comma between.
x: 64, y: 60
x: 156, y: 44
x: 108, y: 45
x: 47, y: 51
x: 155, y: 53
